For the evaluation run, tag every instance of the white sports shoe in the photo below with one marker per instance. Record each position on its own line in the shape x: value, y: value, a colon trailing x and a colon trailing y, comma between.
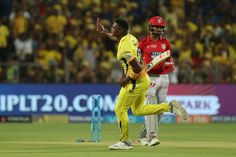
x: 154, y: 142
x: 177, y: 109
x: 144, y: 141
x: 120, y: 146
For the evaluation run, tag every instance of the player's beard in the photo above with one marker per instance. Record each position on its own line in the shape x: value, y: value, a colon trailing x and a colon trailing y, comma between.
x: 156, y: 35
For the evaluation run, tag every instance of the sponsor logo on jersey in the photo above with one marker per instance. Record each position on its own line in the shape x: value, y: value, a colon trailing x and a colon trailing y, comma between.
x: 128, y: 56
x: 163, y: 46
x: 155, y: 54
x: 152, y: 46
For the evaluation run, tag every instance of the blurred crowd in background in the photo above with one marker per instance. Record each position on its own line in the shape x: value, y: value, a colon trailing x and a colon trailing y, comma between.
x: 55, y: 41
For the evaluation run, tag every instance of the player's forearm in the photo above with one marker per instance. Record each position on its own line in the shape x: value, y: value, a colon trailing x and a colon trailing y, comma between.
x: 136, y: 67
x: 108, y: 34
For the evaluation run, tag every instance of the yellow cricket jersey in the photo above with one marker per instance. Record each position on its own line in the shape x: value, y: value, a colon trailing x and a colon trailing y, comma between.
x: 127, y: 51
x: 4, y: 33
x: 55, y: 24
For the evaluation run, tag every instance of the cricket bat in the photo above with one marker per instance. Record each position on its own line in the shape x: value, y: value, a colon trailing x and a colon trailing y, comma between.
x: 158, y: 59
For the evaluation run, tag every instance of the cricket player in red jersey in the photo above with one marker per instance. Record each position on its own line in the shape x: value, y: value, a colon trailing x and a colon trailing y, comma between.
x: 150, y: 47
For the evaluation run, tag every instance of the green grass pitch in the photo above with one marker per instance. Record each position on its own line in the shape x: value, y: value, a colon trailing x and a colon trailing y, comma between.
x: 59, y: 140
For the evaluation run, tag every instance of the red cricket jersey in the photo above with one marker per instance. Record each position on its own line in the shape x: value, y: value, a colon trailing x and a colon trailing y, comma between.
x: 151, y: 48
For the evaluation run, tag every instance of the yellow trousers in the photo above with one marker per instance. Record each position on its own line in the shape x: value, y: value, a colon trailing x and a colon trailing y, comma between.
x: 133, y: 95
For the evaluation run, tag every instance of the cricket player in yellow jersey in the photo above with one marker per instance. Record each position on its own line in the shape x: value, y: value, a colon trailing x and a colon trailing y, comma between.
x: 134, y: 83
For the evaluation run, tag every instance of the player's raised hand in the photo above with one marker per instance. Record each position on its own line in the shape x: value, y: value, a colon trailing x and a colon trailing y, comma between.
x: 100, y: 28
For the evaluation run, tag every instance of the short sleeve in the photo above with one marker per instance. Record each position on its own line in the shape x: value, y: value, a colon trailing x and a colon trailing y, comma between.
x: 128, y: 56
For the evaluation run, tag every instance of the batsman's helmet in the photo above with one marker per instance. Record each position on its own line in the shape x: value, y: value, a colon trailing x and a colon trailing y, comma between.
x: 156, y: 21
